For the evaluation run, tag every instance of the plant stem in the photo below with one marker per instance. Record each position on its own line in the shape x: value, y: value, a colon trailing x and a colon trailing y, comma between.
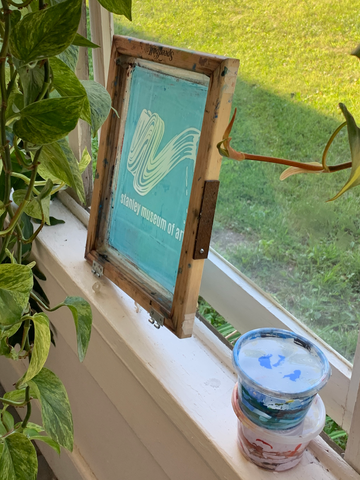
x: 45, y: 88
x: 36, y: 233
x: 5, y: 401
x: 59, y: 187
x: 5, y: 149
x: 19, y: 154
x: 43, y: 305
x: 28, y: 407
x: 27, y: 181
x: 282, y: 161
x: 25, y: 334
x: 16, y: 217
x: 292, y: 163
x: 19, y: 242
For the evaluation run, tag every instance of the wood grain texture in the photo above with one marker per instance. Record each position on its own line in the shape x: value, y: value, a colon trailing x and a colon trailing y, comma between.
x: 207, y: 167
x: 166, y: 55
x: 140, y: 292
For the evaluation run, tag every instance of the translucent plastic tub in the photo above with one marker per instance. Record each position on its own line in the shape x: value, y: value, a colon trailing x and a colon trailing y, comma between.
x: 279, y: 374
x: 277, y: 450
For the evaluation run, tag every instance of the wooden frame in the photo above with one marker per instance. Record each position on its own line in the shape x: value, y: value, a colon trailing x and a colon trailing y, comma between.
x: 177, y: 313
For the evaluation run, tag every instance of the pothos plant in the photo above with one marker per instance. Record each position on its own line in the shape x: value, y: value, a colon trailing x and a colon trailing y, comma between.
x: 295, y: 167
x: 41, y: 102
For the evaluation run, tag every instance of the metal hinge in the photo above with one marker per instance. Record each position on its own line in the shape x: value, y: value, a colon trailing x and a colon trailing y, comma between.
x: 206, y: 219
x: 156, y: 319
x: 97, y: 269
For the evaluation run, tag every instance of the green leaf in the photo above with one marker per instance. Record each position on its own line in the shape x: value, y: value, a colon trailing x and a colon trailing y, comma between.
x: 58, y: 163
x: 53, y: 221
x: 19, y: 103
x: 33, y: 429
x: 8, y: 421
x: 41, y: 347
x: 13, y: 100
x: 81, y: 311
x: 81, y: 41
x: 100, y: 103
x: 49, y: 120
x: 15, y: 18
x: 55, y: 407
x: 27, y: 230
x: 5, y: 348
x: 339, y: 434
x: 354, y: 141
x: 33, y: 208
x: 16, y: 282
x: 46, y: 190
x: 55, y: 2
x: 120, y: 7
x: 56, y: 221
x: 45, y: 33
x: 14, y: 92
x: 16, y: 395
x: 32, y: 80
x: 48, y: 440
x: 2, y: 429
x: 85, y: 160
x: 18, y: 460
x: 70, y: 56
x: 38, y: 273
x: 68, y: 85
x: 9, y: 332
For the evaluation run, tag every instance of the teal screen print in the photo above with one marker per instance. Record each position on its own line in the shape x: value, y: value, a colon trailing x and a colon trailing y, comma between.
x: 150, y: 203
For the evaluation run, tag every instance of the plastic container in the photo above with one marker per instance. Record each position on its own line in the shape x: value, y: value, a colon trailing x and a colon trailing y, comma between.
x: 279, y: 374
x: 279, y: 450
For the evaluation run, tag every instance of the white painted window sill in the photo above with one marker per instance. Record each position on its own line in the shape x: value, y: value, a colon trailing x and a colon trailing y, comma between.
x: 190, y: 380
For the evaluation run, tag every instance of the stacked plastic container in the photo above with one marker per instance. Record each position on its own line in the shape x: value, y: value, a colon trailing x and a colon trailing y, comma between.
x: 276, y: 398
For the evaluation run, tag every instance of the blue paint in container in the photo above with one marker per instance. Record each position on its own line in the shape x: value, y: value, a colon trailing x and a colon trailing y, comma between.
x: 279, y: 375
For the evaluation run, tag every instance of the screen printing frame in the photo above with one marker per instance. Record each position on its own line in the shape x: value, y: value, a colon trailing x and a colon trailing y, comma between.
x: 177, y: 311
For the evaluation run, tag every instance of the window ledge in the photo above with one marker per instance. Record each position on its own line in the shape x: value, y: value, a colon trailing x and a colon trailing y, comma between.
x: 190, y: 380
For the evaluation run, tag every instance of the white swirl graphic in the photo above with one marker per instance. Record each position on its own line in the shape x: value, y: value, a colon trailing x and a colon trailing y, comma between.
x: 148, y: 167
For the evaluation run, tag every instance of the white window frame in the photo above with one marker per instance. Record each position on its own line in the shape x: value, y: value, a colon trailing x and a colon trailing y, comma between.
x: 245, y: 305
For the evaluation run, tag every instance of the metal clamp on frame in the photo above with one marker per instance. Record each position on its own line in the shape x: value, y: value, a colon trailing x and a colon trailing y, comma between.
x: 97, y: 269
x: 156, y: 319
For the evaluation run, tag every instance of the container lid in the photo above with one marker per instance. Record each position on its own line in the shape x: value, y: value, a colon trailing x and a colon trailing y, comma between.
x: 280, y: 363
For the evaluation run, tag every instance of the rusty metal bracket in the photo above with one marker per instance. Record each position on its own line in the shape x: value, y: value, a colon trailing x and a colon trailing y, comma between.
x: 207, y: 213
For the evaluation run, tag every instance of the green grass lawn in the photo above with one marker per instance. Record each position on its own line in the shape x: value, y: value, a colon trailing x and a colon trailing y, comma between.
x: 295, y: 69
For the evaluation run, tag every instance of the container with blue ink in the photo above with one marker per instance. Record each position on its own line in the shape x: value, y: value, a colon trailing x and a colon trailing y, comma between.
x: 275, y: 399
x: 279, y: 374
